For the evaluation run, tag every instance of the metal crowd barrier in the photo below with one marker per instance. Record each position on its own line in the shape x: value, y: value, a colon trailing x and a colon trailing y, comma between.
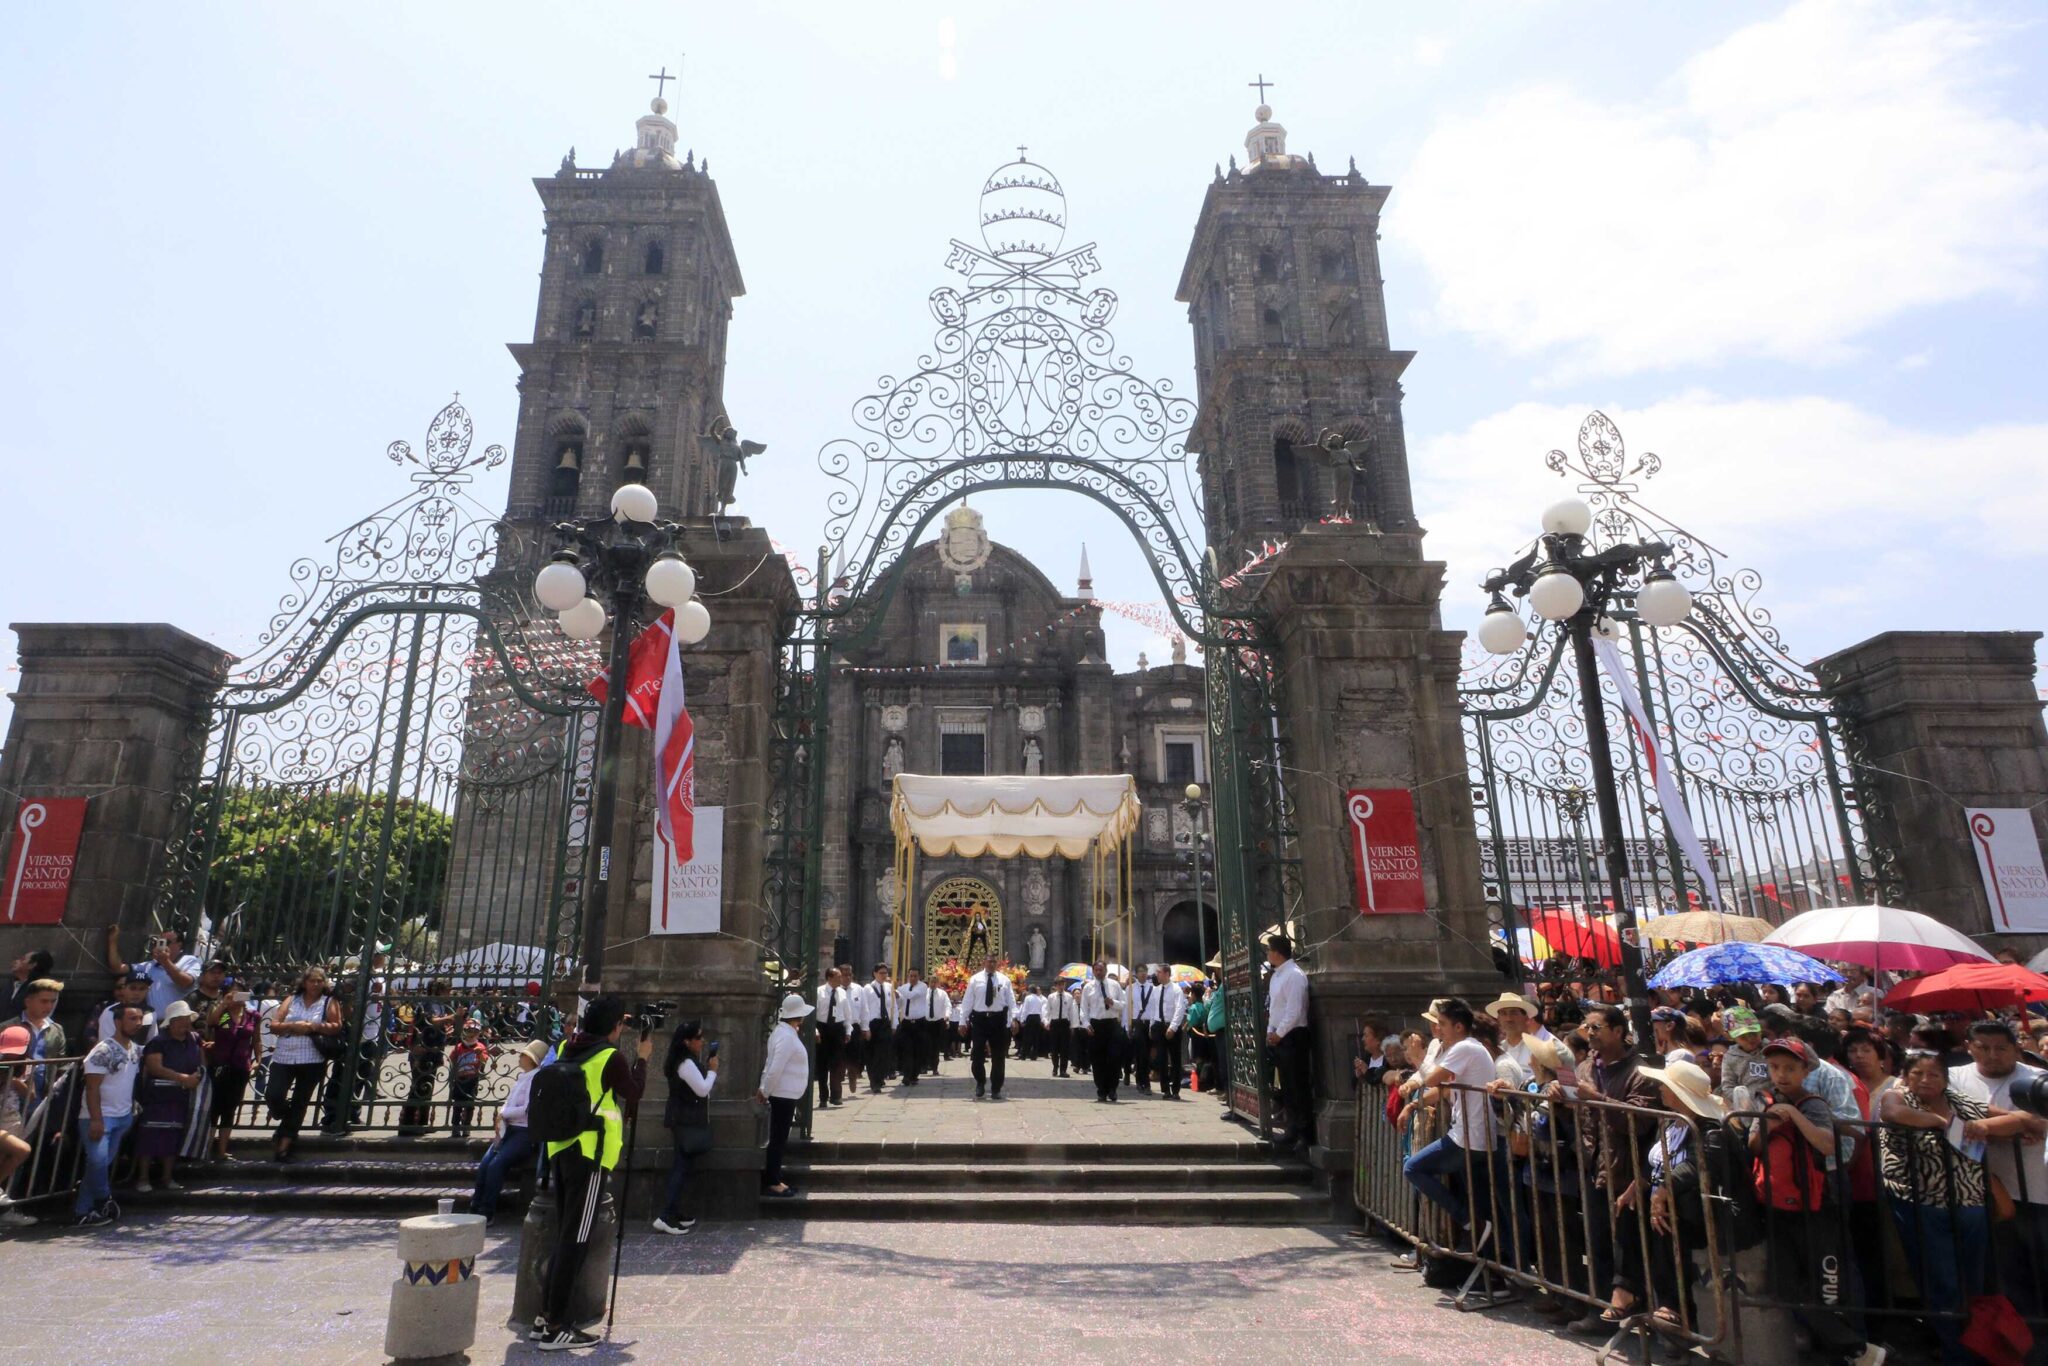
x: 51, y: 1128
x: 1853, y: 1257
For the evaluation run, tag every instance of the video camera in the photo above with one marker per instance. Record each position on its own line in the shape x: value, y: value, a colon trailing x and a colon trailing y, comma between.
x: 2030, y: 1094
x: 650, y: 1016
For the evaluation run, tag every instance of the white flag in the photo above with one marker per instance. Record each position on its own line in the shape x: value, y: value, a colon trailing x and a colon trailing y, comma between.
x: 1675, y: 813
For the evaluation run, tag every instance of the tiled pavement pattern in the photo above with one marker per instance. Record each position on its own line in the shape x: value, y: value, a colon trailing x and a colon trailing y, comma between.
x: 202, y: 1289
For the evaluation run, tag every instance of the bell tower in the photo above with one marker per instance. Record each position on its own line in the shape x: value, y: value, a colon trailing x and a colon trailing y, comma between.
x: 626, y: 369
x: 1283, y: 288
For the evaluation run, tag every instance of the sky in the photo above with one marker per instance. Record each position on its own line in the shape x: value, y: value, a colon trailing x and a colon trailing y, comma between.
x: 1796, y: 250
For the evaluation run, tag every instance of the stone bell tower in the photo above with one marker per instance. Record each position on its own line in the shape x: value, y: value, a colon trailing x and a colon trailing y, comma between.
x: 626, y: 369
x: 1283, y: 288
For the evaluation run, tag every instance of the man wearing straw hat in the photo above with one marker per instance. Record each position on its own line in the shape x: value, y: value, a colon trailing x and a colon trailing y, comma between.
x: 1673, y: 1166
x: 1513, y: 1013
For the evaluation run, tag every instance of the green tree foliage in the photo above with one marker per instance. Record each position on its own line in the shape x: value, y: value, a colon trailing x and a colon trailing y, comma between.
x: 295, y: 872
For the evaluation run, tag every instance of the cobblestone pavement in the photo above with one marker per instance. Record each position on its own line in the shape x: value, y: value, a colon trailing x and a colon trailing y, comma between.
x: 199, y: 1289
x: 1037, y: 1107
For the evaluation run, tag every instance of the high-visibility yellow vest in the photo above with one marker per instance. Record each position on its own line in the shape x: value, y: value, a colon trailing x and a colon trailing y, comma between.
x: 611, y: 1122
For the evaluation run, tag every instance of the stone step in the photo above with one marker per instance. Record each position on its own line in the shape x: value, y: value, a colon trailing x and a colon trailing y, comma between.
x: 384, y: 1201
x: 1284, y: 1206
x: 1087, y: 1177
x: 338, y: 1170
x: 901, y: 1151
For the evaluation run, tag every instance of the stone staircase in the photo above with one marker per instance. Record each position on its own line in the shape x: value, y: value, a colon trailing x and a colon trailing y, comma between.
x: 370, y: 1175
x: 1240, y: 1182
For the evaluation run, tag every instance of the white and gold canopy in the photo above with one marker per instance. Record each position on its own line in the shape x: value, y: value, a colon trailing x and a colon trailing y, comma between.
x: 1014, y: 816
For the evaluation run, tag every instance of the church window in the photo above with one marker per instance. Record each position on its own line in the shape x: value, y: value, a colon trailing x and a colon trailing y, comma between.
x: 567, y: 477
x: 638, y: 457
x: 1269, y: 264
x: 656, y: 261
x: 1339, y: 328
x: 1272, y: 332
x: 593, y: 257
x: 963, y: 744
x: 1180, y: 761
x: 1333, y: 262
x: 586, y: 320
x: 645, y: 319
x: 1287, y: 482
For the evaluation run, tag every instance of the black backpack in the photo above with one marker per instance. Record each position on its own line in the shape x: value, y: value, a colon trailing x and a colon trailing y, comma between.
x: 559, y: 1106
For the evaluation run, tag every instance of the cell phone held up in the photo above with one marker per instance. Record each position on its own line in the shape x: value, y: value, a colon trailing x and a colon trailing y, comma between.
x: 711, y: 1049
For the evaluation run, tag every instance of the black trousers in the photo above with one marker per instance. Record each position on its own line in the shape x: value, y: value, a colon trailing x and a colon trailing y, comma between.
x: 1297, y: 1082
x: 579, y: 1186
x: 831, y: 1043
x: 1032, y: 1044
x: 781, y: 1114
x: 990, y: 1033
x: 1139, y: 1053
x: 1062, y: 1038
x: 881, y: 1049
x: 1166, y: 1059
x: 1105, y: 1054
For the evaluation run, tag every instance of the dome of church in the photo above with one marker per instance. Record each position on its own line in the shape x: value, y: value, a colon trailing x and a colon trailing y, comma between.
x: 1023, y: 212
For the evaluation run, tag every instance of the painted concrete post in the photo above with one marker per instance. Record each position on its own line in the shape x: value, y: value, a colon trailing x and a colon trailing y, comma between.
x: 434, y: 1299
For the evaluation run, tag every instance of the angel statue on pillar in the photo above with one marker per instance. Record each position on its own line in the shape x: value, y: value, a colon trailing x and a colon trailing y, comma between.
x: 732, y: 458
x: 1346, y: 456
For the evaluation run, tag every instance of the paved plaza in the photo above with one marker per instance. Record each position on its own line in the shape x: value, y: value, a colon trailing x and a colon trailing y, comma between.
x: 178, y: 1288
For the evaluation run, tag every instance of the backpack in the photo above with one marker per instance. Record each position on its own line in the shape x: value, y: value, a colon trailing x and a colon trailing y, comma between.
x: 559, y: 1106
x: 1789, y: 1175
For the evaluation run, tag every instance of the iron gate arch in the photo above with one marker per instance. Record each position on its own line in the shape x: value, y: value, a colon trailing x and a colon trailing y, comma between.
x: 1764, y: 758
x: 1024, y: 389
x: 403, y: 763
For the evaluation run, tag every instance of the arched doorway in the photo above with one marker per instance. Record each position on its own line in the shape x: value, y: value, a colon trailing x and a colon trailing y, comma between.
x: 1183, y: 938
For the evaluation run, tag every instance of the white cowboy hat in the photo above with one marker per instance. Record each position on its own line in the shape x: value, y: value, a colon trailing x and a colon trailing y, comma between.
x: 794, y: 1007
x: 1509, y: 1001
x: 178, y: 1010
x: 1691, y: 1085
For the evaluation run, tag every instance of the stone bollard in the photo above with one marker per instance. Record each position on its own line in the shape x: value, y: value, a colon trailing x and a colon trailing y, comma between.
x: 434, y: 1299
x: 537, y: 1251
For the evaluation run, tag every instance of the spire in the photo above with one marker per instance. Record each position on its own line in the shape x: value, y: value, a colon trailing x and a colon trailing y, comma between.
x: 654, y: 144
x: 1087, y: 588
x: 1266, y: 144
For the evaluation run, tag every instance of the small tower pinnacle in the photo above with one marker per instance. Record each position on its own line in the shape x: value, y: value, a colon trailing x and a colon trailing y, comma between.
x: 1086, y: 590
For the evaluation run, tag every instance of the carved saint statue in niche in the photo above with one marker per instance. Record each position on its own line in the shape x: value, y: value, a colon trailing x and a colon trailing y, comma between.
x: 892, y: 758
x: 1036, y: 945
x: 1034, y: 757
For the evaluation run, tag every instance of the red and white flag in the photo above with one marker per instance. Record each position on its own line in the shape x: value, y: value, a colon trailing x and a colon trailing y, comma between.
x: 1675, y: 812
x: 654, y: 697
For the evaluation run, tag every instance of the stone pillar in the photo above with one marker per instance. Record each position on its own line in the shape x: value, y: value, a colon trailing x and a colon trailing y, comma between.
x: 716, y: 979
x: 117, y: 714
x: 1947, y: 720
x: 1368, y: 698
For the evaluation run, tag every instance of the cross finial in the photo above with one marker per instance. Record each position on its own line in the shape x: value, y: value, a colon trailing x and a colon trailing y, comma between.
x: 1020, y: 151
x: 1261, y: 83
x: 661, y: 80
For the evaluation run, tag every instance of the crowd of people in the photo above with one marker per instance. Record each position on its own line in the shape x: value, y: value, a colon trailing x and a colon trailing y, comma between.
x: 1888, y: 1168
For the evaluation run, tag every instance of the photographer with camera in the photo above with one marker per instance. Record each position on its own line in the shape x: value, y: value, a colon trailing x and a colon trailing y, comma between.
x: 692, y: 1070
x: 171, y: 971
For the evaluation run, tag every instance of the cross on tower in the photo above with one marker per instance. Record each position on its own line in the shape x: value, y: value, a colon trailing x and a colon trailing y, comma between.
x: 1262, y: 83
x: 1020, y: 151
x: 661, y: 80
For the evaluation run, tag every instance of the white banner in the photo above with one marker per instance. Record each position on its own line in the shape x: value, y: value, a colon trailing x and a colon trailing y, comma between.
x: 2009, y: 859
x: 688, y: 896
x: 1675, y: 814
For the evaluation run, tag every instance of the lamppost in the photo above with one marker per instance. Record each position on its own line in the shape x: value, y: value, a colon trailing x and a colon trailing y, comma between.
x: 1566, y: 580
x: 1194, y: 805
x: 604, y: 571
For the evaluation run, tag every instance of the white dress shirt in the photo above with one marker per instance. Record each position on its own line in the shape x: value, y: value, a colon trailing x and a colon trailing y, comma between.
x: 832, y: 1006
x: 881, y: 1004
x: 1161, y: 1005
x: 1101, y: 999
x: 914, y: 1003
x: 1286, y: 999
x: 1061, y: 1005
x: 1033, y: 1007
x: 786, y: 1074
x: 941, y: 1007
x: 986, y: 991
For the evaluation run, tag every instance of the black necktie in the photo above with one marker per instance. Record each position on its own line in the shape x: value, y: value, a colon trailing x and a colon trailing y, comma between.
x: 831, y: 999
x: 988, y: 991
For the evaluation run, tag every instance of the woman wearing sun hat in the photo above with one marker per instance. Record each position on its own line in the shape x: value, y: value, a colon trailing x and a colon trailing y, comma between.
x: 1677, y: 1213
x: 785, y: 1077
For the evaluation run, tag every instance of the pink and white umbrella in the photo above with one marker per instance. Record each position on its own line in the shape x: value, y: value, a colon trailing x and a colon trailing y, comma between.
x: 1884, y: 938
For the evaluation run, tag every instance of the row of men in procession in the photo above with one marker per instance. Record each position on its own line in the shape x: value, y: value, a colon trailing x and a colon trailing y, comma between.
x: 1116, y: 1029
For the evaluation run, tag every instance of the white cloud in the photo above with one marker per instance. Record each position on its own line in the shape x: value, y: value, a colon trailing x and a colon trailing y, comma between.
x: 1859, y: 524
x: 1802, y: 181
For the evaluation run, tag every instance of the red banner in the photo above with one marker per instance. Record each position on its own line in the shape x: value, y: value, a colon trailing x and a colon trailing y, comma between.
x: 45, y: 838
x: 1386, y: 853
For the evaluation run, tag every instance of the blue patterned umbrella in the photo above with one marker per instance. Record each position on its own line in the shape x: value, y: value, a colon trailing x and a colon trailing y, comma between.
x: 1720, y: 964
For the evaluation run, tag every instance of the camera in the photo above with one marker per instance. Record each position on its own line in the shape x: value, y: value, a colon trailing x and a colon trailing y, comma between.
x: 2030, y: 1094
x: 651, y: 1016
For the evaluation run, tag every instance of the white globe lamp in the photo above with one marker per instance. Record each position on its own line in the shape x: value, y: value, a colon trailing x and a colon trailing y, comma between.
x: 560, y: 585
x: 693, y: 623
x: 671, y: 582
x: 1663, y: 600
x: 634, y: 503
x: 1556, y: 595
x: 1501, y: 631
x: 584, y: 621
x: 1567, y: 517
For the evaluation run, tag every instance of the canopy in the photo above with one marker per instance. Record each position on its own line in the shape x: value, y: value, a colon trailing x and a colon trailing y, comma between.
x: 1035, y: 817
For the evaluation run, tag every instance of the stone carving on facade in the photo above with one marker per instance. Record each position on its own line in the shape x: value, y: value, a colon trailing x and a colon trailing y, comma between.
x: 1037, y: 891
x: 1034, y: 757
x: 964, y: 545
x: 1183, y: 828
x: 1031, y: 720
x: 895, y: 718
x: 1036, y: 948
x: 732, y: 458
x: 892, y: 758
x: 1156, y: 828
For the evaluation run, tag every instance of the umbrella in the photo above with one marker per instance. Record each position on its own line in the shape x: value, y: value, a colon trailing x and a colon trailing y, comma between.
x: 1706, y: 927
x: 1881, y: 937
x: 1188, y: 972
x: 1969, y: 987
x: 1534, y: 947
x: 1074, y: 972
x: 1577, y: 935
x: 1719, y: 964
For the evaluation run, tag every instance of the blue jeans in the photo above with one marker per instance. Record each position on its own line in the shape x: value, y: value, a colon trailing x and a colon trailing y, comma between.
x: 678, y: 1177
x: 1427, y: 1169
x: 1946, y: 1247
x: 95, y: 1188
x: 513, y: 1147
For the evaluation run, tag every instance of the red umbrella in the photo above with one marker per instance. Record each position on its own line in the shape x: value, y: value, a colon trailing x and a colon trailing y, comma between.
x: 1969, y: 987
x: 1578, y: 935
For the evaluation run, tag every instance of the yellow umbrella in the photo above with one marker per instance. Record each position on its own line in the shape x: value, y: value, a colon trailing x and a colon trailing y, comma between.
x: 1706, y: 927
x: 1188, y: 972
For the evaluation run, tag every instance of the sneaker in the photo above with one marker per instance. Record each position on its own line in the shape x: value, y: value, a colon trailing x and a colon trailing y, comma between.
x: 539, y: 1329
x: 174, y: 1187
x: 1871, y: 1355
x: 143, y: 1187
x: 6, y: 1200
x: 14, y: 1218
x: 566, y: 1340
x: 97, y: 1217
x: 675, y: 1230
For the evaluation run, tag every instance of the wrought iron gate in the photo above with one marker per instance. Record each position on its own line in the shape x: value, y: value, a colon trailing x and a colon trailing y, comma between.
x: 1762, y: 756
x: 401, y: 770
x: 1024, y: 389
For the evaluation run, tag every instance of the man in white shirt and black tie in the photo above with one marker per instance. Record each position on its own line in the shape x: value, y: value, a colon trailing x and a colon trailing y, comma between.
x: 1161, y: 1017
x: 1061, y: 1010
x: 880, y: 1040
x: 1102, y: 1020
x: 858, y: 1006
x: 833, y: 1022
x: 990, y: 999
x: 1287, y: 1040
x: 1142, y: 994
x: 1031, y: 1043
x: 913, y: 1024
